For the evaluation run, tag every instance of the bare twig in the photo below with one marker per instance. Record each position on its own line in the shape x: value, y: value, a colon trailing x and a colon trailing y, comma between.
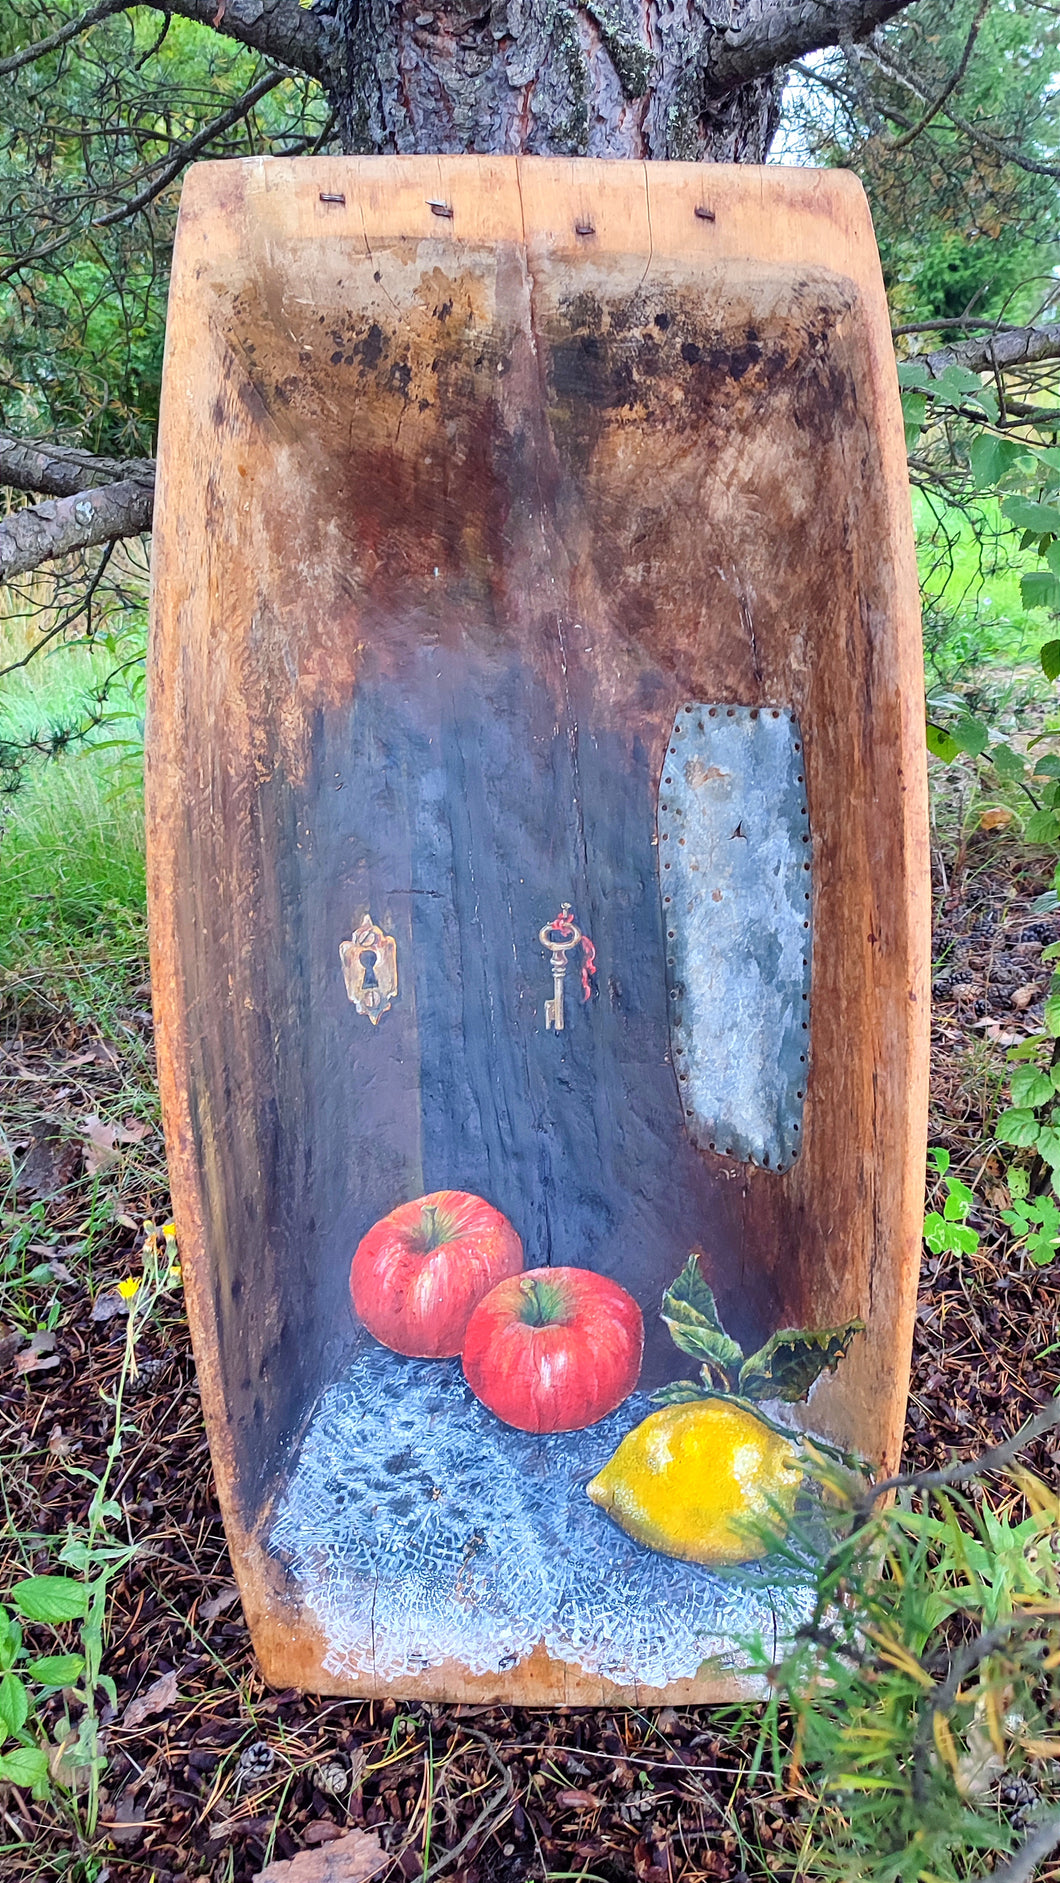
x: 488, y: 1815
x: 192, y: 146
x: 72, y: 30
x: 992, y: 1460
x: 886, y: 61
x: 948, y: 89
x: 83, y: 606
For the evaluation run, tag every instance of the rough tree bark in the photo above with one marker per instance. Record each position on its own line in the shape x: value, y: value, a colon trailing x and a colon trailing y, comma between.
x: 693, y: 79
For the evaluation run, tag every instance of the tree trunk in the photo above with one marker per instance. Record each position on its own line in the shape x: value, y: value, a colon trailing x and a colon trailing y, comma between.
x: 615, y: 78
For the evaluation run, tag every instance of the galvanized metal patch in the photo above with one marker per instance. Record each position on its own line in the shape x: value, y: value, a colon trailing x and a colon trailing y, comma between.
x: 735, y: 873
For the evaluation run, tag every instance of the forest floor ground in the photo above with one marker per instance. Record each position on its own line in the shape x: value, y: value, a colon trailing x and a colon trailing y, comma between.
x: 214, y: 1775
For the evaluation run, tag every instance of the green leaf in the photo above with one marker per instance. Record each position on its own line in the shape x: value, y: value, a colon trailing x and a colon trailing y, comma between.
x: 14, y: 1705
x: 1027, y: 1049
x: 51, y: 1599
x: 1048, y: 1146
x: 990, y: 458
x: 913, y: 373
x: 678, y: 1392
x: 1007, y: 763
x: 971, y: 736
x: 689, y: 1312
x: 1042, y: 827
x: 914, y: 407
x: 1025, y: 514
x: 26, y: 1765
x: 959, y: 1200
x: 940, y: 1158
x: 57, y: 1670
x: 1031, y: 1087
x: 940, y: 745
x: 1039, y: 588
x: 10, y: 1640
x: 1048, y: 766
x: 1017, y: 1126
x: 793, y: 1358
x: 1051, y: 1016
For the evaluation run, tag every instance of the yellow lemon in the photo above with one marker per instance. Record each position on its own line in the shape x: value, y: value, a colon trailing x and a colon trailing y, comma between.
x: 692, y: 1480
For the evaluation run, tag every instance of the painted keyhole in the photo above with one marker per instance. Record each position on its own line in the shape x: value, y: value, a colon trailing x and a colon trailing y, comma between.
x: 368, y: 958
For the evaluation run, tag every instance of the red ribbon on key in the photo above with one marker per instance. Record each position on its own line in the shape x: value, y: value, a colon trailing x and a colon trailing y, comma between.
x: 564, y: 924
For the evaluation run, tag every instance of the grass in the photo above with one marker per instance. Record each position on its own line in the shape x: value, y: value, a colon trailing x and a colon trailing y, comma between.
x: 71, y: 764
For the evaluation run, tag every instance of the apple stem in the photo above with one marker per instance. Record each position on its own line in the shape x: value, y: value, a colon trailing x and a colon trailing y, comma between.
x: 434, y: 1228
x: 543, y: 1303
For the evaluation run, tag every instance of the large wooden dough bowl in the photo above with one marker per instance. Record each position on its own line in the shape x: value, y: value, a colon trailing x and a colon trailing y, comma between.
x: 529, y: 533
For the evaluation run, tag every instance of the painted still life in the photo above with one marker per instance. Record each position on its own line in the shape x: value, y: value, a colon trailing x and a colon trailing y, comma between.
x: 491, y: 1470
x: 486, y: 1475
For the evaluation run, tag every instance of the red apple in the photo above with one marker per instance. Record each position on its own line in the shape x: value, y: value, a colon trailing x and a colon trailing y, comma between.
x: 554, y: 1349
x: 419, y: 1273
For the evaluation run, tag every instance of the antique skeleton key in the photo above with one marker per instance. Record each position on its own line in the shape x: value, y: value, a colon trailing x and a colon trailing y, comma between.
x: 568, y: 938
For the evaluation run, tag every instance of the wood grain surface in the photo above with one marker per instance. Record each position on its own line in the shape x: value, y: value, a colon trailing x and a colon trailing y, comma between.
x: 470, y: 470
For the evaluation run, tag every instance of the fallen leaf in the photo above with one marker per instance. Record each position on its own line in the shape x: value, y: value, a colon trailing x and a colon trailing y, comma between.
x: 100, y: 1153
x: 108, y: 1305
x: 349, y: 1859
x: 159, y: 1697
x: 60, y: 1444
x: 321, y: 1831
x: 64, y: 1769
x: 61, y: 1273
x: 994, y: 1030
x: 51, y: 1162
x: 242, y: 1827
x: 1025, y: 996
x: 577, y: 1800
x: 32, y: 1358
x: 998, y: 817
x: 217, y: 1604
x: 127, y: 1825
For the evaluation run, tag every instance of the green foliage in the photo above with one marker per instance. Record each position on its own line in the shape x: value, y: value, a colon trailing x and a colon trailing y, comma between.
x: 948, y: 1232
x: 25, y: 1762
x: 960, y: 229
x: 1033, y: 1220
x: 784, y: 1368
x: 925, y: 1676
x: 82, y: 132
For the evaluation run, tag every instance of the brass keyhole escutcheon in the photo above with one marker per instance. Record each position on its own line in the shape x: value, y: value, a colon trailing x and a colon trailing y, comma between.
x: 369, y: 968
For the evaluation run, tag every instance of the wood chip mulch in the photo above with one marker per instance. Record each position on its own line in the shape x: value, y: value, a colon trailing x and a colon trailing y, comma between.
x: 210, y: 1774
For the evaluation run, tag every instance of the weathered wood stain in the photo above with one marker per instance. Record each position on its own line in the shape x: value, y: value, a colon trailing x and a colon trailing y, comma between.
x: 452, y: 515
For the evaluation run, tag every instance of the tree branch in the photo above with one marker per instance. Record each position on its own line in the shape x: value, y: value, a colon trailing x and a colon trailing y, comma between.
x: 1019, y: 346
x: 71, y: 30
x: 64, y: 471
x: 54, y: 528
x: 282, y: 29
x: 739, y: 54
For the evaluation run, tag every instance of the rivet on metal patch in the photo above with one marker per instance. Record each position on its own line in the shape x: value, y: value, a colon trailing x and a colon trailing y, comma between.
x: 735, y: 874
